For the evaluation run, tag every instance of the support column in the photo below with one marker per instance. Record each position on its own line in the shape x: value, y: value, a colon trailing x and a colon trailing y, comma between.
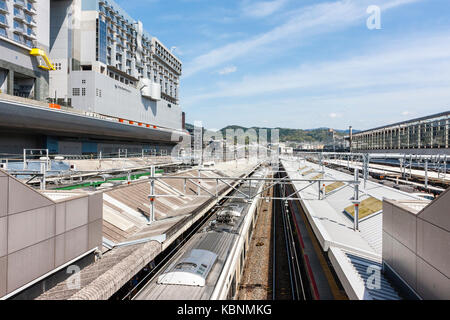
x: 37, y: 88
x: 446, y: 132
x: 356, y: 202
x: 431, y: 135
x: 409, y: 136
x: 152, y: 199
x: 419, y: 133
x: 10, y: 82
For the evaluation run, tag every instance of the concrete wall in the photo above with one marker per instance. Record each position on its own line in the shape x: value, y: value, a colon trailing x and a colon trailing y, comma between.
x: 60, y: 46
x: 122, y: 101
x: 88, y: 37
x: 43, y: 22
x: 14, y: 142
x: 38, y: 234
x: 417, y: 246
x: 16, y: 59
x: 15, y: 56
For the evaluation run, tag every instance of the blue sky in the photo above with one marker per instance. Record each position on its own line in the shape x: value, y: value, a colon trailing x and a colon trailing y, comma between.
x: 304, y: 63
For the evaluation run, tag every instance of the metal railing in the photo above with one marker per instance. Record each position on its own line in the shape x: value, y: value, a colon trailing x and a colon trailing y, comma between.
x: 438, y: 162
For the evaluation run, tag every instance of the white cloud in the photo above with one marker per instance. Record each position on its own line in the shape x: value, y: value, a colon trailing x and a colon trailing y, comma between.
x: 334, y: 115
x: 420, y: 62
x: 262, y: 9
x: 308, y: 21
x: 227, y: 70
x: 363, y: 111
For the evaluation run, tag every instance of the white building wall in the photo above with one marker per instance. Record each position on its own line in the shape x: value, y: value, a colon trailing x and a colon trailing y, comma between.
x: 416, y: 246
x: 88, y: 37
x: 60, y: 47
x: 43, y: 23
x: 121, y: 101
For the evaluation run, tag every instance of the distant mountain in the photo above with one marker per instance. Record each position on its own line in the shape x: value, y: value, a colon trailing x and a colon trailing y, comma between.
x: 293, y: 135
x: 298, y: 135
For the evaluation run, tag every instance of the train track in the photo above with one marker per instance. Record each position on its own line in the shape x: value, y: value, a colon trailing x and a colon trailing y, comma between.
x: 289, y: 281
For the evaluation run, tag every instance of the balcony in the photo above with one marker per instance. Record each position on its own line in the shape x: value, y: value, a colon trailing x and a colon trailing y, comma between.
x: 3, y: 7
x: 19, y: 3
x: 18, y: 28
x: 29, y: 8
x: 19, y: 16
x: 30, y: 21
x: 30, y: 34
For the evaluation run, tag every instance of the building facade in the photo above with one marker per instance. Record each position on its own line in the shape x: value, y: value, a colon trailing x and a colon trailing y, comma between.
x: 83, y: 77
x: 50, y: 231
x: 24, y: 24
x: 108, y: 64
x: 426, y: 135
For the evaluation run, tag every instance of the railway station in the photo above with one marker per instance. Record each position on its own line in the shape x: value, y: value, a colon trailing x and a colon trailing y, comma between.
x: 106, y: 195
x: 152, y: 228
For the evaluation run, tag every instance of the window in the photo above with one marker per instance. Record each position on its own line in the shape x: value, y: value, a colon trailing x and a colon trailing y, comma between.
x: 101, y: 42
x: 2, y: 32
x: 75, y: 91
x: 28, y: 18
x: 83, y: 91
x: 83, y: 81
x: 18, y: 25
x: 2, y: 19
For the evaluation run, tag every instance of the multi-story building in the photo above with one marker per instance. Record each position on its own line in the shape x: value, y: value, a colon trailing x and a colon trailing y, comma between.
x: 109, y: 84
x: 24, y: 24
x: 108, y: 64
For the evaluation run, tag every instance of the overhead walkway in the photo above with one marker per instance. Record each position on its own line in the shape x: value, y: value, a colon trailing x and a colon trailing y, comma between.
x: 41, y: 53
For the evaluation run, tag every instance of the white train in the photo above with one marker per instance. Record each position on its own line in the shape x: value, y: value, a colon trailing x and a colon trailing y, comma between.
x: 210, y: 265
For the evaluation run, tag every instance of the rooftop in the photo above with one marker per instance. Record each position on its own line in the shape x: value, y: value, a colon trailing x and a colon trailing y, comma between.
x: 129, y: 242
x: 334, y: 227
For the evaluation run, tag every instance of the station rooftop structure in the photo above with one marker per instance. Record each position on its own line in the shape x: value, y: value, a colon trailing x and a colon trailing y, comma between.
x: 212, y: 248
x: 130, y: 243
x: 354, y: 254
x: 428, y: 134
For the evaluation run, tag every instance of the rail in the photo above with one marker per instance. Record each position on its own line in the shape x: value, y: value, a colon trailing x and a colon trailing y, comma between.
x: 287, y: 275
